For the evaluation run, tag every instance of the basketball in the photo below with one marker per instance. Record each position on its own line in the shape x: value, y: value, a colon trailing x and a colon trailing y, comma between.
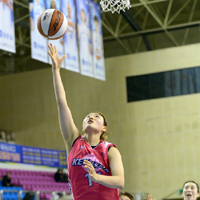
x: 52, y: 24
x: 4, y: 1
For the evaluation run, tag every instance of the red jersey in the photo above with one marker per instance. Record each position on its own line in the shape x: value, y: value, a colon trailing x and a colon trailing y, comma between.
x: 81, y: 186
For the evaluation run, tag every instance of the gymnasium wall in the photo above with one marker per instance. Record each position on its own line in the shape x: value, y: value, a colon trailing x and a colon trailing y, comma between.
x: 158, y: 139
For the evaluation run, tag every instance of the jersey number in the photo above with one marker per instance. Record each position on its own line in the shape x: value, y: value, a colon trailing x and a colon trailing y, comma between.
x: 89, y: 180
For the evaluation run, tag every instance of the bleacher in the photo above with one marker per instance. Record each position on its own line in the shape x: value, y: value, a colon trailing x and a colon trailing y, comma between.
x: 32, y: 181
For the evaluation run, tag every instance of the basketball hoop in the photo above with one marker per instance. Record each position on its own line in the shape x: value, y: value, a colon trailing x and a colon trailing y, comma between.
x: 114, y: 5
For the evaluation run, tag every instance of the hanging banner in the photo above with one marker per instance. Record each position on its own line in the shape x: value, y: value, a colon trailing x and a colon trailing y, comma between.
x: 38, y: 42
x: 70, y: 37
x: 32, y: 155
x: 1, y: 24
x: 97, y: 41
x: 7, y: 26
x: 84, y: 37
x: 56, y: 4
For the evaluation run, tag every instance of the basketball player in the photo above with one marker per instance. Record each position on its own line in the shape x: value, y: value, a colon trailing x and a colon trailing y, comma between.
x: 84, y: 36
x: 95, y: 166
x: 85, y: 44
x: 70, y: 38
x: 126, y: 196
x: 98, y: 48
x: 190, y: 191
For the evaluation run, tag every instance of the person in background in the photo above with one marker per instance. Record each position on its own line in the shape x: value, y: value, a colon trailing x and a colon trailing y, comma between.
x: 64, y: 177
x: 6, y: 181
x: 125, y: 196
x: 60, y: 176
x: 190, y: 191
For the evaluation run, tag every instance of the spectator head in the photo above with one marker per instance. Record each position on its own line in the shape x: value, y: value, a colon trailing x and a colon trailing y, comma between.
x: 126, y: 196
x: 59, y: 171
x: 190, y: 190
x: 8, y: 174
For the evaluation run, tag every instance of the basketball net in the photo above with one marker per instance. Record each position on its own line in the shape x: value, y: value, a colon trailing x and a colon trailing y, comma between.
x: 114, y: 5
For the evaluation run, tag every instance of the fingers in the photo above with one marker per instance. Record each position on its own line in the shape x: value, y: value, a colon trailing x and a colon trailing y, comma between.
x: 50, y: 48
x: 49, y: 54
x: 55, y: 49
x: 88, y: 165
x: 63, y: 57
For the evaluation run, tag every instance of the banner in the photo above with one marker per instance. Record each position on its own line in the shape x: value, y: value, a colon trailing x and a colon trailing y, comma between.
x: 32, y: 155
x: 70, y: 37
x: 38, y: 42
x: 56, y: 4
x: 97, y: 41
x: 1, y: 24
x: 83, y: 47
x: 7, y: 26
x: 84, y: 37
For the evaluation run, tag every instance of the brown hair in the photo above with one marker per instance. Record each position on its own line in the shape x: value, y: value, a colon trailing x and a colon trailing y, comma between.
x: 104, y: 135
x: 130, y: 196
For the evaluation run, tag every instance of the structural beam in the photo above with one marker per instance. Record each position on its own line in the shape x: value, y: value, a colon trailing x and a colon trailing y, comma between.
x: 178, y: 12
x: 21, y: 18
x: 115, y: 36
x: 143, y: 27
x: 190, y: 19
x: 168, y: 12
x: 134, y: 16
x: 135, y: 26
x: 21, y: 4
x: 155, y: 30
x: 148, y: 2
x: 159, y: 22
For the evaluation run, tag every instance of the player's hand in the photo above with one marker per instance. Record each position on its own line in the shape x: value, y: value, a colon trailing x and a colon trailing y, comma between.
x: 150, y: 198
x: 92, y: 173
x: 56, y: 61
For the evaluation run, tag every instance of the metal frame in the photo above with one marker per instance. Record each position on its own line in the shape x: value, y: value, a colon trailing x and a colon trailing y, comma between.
x: 165, y: 23
x: 153, y: 16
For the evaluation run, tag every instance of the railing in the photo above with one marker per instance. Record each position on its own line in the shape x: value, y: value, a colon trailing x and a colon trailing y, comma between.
x: 37, y: 193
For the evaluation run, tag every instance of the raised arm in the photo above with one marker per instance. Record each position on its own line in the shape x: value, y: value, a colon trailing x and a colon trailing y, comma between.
x: 68, y: 128
x: 117, y: 170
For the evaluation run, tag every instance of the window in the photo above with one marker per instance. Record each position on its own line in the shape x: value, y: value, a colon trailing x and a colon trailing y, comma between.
x: 164, y: 84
